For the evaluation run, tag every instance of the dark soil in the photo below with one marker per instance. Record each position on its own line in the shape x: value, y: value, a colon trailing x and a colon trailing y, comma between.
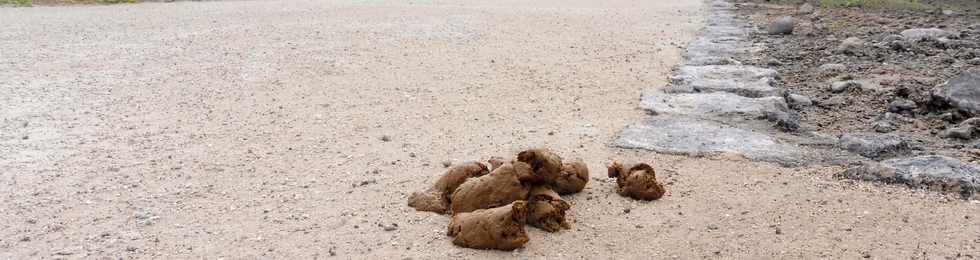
x: 888, y: 70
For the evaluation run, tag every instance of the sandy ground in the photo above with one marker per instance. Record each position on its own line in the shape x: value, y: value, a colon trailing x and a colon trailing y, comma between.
x: 253, y: 130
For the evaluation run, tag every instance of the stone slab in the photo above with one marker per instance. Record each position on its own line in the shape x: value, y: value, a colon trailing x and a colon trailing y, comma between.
x: 697, y: 137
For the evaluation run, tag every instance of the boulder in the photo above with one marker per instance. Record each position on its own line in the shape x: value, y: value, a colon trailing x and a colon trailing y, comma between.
x: 961, y: 92
x: 933, y: 172
x: 782, y: 25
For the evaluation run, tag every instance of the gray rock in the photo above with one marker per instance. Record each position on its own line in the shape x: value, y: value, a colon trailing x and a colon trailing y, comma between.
x: 806, y: 8
x: 959, y: 132
x: 720, y: 50
x: 948, y: 12
x: 798, y: 101
x: 961, y: 92
x: 874, y: 146
x: 884, y: 126
x: 782, y: 25
x: 931, y: 172
x: 832, y: 68
x: 893, y: 38
x: 899, y: 45
x: 887, y: 122
x: 841, y: 86
x: 918, y: 34
x: 965, y: 130
x: 718, y: 104
x: 695, y: 137
x: 901, y: 105
x: 785, y: 121
x: 748, y: 81
x: 956, y: 44
x: 851, y: 45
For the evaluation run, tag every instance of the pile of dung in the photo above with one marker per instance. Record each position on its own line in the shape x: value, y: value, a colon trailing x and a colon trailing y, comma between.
x: 490, y: 206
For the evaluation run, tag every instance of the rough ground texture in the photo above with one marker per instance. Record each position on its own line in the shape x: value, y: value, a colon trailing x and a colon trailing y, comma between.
x: 297, y: 129
x: 933, y: 172
x: 902, y: 63
x: 889, y: 83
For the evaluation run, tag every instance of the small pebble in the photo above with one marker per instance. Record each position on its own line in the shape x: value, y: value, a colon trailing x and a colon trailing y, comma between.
x: 391, y: 227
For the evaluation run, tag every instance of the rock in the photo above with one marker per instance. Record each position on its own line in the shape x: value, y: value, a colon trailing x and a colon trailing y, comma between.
x: 956, y: 44
x: 694, y: 137
x: 874, y: 146
x: 773, y: 63
x: 717, y: 50
x: 933, y: 172
x: 900, y: 45
x: 782, y: 25
x: 918, y: 34
x: 893, y: 38
x: 716, y: 104
x: 385, y: 138
x: 785, y: 121
x: 901, y: 105
x: 959, y: 132
x: 806, y: 8
x: 948, y: 12
x: 961, y: 92
x: 841, y: 86
x: 851, y: 45
x: 965, y: 130
x: 887, y: 122
x: 884, y: 126
x: 832, y: 68
x: 391, y: 227
x: 798, y: 101
x: 747, y: 81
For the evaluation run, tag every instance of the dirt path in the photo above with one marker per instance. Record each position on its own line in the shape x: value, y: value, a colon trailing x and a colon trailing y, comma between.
x: 251, y: 129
